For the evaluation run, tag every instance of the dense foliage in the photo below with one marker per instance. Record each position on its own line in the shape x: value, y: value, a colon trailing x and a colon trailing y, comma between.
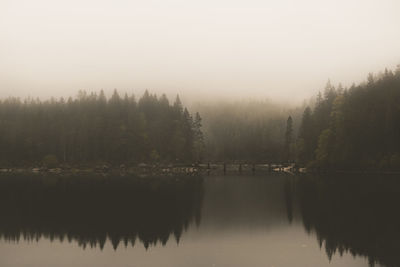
x: 355, y: 128
x: 92, y: 128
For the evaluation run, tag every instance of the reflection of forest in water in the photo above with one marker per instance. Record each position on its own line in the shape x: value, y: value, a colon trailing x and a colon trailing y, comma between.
x: 356, y: 214
x: 90, y: 210
x: 348, y: 214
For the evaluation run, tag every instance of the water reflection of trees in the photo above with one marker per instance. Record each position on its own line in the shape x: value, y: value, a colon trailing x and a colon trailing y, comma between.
x: 90, y: 210
x: 353, y: 214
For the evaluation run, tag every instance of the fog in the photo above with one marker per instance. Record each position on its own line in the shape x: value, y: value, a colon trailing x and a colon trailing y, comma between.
x: 284, y: 50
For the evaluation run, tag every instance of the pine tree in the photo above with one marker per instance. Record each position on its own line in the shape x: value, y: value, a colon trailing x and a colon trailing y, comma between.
x: 199, y: 146
x: 288, y: 140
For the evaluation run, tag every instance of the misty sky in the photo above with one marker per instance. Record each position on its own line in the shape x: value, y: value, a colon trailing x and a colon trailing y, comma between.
x: 284, y: 49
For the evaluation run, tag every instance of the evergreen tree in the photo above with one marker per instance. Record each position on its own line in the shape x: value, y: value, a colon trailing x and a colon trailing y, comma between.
x: 199, y: 146
x: 289, y: 139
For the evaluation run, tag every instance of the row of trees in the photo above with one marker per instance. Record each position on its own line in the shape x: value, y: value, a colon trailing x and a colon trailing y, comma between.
x: 92, y: 128
x: 355, y: 128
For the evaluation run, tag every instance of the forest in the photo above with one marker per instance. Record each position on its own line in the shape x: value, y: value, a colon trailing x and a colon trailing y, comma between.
x: 340, y: 129
x: 353, y: 128
x: 94, y: 129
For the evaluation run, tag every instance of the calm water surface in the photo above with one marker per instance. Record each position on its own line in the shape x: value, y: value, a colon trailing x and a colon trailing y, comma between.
x: 263, y: 220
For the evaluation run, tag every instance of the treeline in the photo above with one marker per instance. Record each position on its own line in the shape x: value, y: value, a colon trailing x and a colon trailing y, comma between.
x: 354, y: 128
x: 92, y: 128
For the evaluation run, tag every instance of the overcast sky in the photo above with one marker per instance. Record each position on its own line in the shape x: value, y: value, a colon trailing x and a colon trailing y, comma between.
x: 284, y: 49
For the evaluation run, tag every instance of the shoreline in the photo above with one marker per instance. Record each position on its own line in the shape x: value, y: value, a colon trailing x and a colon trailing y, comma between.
x: 154, y: 169
x: 185, y: 169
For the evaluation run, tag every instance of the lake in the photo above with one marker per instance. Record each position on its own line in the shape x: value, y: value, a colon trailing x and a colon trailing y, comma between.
x: 260, y: 220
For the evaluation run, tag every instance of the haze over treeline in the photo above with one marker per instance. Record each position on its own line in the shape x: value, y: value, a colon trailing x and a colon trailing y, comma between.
x: 343, y: 128
x: 250, y: 130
